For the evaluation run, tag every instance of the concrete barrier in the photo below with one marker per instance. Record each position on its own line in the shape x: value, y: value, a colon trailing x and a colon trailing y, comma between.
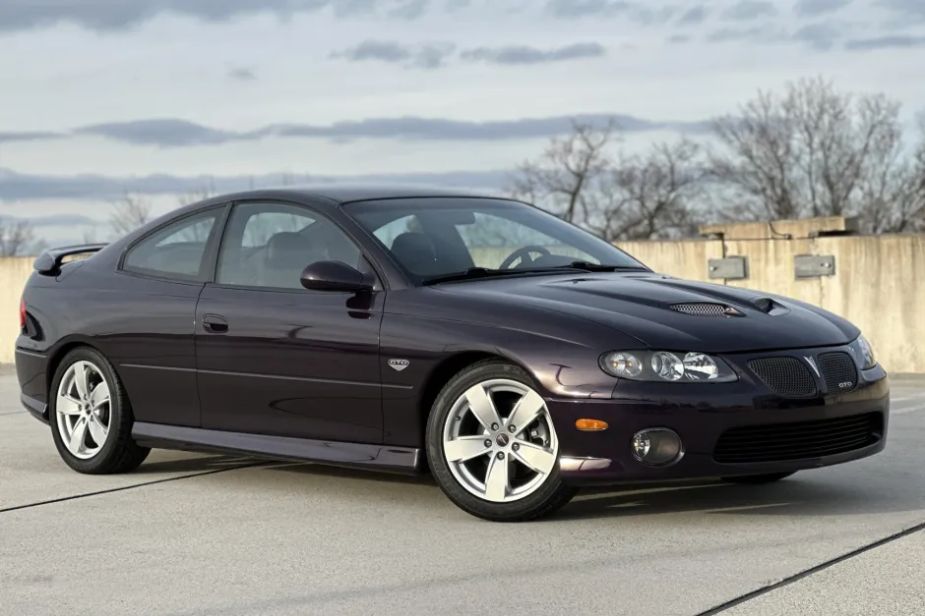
x: 879, y: 283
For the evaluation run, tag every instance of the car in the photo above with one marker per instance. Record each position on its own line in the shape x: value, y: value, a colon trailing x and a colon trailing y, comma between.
x: 515, y: 357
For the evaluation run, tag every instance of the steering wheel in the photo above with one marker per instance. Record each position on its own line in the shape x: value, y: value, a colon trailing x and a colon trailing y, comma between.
x: 523, y: 255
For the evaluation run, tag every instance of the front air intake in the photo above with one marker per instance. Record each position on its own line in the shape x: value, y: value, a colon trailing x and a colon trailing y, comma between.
x: 787, y: 376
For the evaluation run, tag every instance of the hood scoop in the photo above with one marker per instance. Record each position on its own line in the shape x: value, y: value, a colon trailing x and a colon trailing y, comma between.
x: 707, y: 309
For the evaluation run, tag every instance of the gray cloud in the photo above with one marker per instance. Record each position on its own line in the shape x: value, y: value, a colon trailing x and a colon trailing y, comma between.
x: 35, y: 135
x: 679, y: 38
x: 821, y: 37
x: 693, y: 16
x: 19, y: 187
x: 167, y: 132
x: 725, y: 35
x: 121, y: 14
x: 242, y: 73
x: 585, y: 8
x: 531, y: 55
x: 745, y: 10
x: 422, y: 56
x: 885, y: 42
x: 812, y: 8
x: 907, y: 9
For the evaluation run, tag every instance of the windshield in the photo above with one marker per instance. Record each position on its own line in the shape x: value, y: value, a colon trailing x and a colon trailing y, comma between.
x: 435, y: 238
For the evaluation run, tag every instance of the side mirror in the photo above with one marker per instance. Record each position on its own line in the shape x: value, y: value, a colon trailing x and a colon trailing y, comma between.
x: 335, y: 276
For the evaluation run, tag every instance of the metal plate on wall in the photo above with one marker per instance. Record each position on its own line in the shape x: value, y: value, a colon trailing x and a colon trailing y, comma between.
x: 730, y: 268
x: 811, y: 266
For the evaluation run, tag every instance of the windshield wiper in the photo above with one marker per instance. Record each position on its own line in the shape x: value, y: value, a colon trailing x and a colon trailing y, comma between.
x: 470, y: 274
x: 600, y: 267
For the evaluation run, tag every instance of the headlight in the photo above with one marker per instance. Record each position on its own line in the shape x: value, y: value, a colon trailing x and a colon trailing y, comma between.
x: 864, y: 353
x: 666, y: 366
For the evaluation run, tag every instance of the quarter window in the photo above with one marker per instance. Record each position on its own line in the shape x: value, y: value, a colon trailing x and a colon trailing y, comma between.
x: 175, y: 251
x: 270, y: 244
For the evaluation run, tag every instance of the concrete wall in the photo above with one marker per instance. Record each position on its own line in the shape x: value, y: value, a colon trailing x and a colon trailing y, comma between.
x: 14, y: 271
x: 879, y: 283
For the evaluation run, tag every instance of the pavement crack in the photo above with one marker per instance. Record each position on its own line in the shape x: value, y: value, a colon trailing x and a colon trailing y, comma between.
x: 812, y: 570
x: 131, y: 487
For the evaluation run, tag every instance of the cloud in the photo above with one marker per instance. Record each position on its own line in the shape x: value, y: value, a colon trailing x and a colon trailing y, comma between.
x: 885, y: 42
x: 21, y: 187
x: 693, y: 16
x: 108, y: 15
x: 168, y: 132
x: 35, y: 135
x: 820, y: 37
x: 585, y: 8
x: 908, y: 9
x: 242, y: 73
x: 522, y: 54
x: 679, y: 38
x: 813, y: 8
x: 746, y: 10
x: 725, y: 35
x: 427, y: 56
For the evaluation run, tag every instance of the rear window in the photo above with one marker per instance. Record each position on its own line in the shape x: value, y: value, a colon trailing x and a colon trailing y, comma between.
x: 175, y: 251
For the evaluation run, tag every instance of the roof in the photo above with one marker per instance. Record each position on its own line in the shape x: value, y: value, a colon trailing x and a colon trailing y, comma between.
x: 345, y: 193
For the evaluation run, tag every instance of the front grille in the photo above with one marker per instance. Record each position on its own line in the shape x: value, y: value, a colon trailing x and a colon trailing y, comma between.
x: 787, y: 376
x: 798, y: 440
x: 701, y: 309
x: 839, y: 372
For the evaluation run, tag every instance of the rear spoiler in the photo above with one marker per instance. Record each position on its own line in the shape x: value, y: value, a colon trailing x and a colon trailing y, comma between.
x: 49, y: 262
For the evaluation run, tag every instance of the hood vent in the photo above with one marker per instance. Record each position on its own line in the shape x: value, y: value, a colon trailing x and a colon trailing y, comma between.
x: 705, y: 309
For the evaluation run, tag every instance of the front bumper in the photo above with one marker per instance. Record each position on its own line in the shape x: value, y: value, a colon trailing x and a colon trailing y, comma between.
x: 700, y: 414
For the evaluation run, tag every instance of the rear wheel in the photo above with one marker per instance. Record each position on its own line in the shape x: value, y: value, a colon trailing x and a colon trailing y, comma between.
x: 492, y: 445
x: 757, y: 479
x: 90, y: 416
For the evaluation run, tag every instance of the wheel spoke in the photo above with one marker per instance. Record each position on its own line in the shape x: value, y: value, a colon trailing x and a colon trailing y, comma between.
x: 482, y: 406
x: 536, y: 458
x: 526, y: 411
x: 97, y: 430
x: 78, y: 436
x: 497, y: 482
x: 100, y: 395
x: 67, y: 405
x: 465, y: 448
x: 81, y: 380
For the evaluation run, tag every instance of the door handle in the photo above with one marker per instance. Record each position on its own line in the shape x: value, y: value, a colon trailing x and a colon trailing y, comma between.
x: 215, y: 323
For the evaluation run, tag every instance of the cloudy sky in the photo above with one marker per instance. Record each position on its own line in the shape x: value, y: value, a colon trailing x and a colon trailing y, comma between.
x: 99, y: 97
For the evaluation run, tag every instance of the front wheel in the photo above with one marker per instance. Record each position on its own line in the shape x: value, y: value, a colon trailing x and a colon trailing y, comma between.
x: 492, y: 445
x: 90, y: 416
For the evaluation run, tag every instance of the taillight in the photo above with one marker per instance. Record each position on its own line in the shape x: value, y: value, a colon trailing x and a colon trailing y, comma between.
x: 23, y: 317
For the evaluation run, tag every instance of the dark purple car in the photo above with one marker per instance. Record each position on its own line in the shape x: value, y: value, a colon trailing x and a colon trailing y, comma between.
x: 514, y: 355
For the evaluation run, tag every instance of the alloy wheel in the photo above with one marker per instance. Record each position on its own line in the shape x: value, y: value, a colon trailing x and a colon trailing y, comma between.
x: 83, y: 409
x: 499, y: 441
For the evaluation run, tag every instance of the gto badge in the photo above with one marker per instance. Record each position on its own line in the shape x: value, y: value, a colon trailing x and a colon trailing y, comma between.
x: 845, y: 385
x: 399, y: 364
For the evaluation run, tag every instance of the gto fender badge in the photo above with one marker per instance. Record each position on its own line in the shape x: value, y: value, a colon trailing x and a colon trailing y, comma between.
x: 399, y: 364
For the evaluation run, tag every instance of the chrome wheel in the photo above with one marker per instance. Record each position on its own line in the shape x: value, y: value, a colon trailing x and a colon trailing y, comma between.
x: 499, y: 441
x: 82, y: 408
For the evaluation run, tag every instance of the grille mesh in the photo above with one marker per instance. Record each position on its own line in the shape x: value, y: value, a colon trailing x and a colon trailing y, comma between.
x: 839, y: 372
x: 798, y: 440
x: 701, y: 310
x: 786, y: 376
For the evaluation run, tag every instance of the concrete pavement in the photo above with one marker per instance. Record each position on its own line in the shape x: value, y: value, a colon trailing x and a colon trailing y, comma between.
x: 193, y: 534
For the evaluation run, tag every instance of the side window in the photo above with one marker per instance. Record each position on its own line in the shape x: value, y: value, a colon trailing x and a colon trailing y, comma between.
x: 269, y: 244
x: 176, y: 251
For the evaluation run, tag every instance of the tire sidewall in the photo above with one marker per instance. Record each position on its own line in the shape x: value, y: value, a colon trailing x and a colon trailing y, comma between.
x: 550, y: 495
x: 116, y: 411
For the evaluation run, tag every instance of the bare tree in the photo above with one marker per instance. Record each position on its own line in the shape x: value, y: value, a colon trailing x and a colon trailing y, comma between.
x: 195, y: 196
x: 563, y: 176
x: 129, y: 213
x: 651, y: 195
x: 15, y: 237
x: 816, y: 152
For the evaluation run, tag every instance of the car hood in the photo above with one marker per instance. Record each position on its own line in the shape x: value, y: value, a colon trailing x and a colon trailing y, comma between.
x: 646, y: 306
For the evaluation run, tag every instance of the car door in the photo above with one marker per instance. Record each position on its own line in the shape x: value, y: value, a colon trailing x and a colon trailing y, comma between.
x: 276, y: 358
x: 151, y: 343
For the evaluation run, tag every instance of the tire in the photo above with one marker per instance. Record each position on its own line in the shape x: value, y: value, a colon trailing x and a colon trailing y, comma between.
x: 80, y: 413
x: 463, y: 450
x: 757, y: 479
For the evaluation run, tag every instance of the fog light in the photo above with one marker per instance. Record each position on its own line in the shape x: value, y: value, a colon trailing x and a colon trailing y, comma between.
x: 657, y: 446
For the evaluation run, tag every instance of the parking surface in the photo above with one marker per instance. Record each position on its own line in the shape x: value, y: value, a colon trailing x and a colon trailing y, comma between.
x: 194, y: 534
